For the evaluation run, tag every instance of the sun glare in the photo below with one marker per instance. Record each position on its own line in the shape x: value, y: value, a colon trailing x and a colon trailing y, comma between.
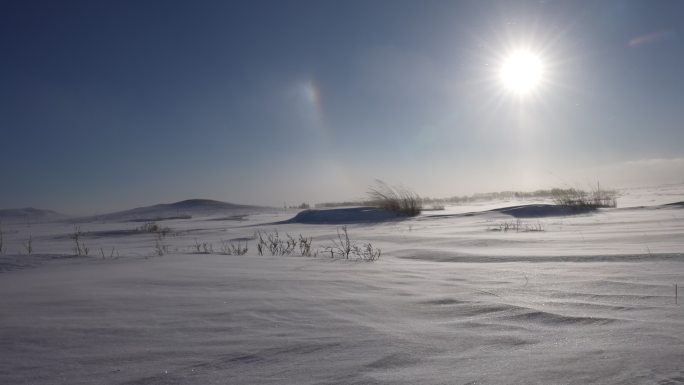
x: 521, y: 72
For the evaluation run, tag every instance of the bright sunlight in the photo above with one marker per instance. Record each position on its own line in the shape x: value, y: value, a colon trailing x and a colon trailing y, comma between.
x: 521, y: 72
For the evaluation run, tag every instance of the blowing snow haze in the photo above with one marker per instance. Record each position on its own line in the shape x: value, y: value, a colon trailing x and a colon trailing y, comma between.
x: 502, y: 189
x: 111, y: 105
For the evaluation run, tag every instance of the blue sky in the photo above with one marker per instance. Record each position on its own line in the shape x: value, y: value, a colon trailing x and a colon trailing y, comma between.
x: 114, y: 104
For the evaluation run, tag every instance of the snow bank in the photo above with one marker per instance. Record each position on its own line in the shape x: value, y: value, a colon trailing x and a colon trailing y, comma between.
x: 344, y: 216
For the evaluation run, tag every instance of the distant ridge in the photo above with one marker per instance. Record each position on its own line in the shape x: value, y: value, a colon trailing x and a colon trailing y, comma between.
x: 181, y: 209
x: 30, y: 214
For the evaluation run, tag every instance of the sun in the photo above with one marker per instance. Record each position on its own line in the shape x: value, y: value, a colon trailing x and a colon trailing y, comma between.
x: 521, y: 72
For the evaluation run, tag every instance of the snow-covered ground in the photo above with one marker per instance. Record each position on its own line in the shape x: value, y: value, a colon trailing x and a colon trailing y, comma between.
x: 590, y: 299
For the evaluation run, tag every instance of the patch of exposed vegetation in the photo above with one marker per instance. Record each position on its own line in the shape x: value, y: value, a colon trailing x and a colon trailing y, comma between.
x: 518, y: 226
x: 2, y: 243
x: 80, y: 249
x: 399, y: 200
x: 576, y: 199
x: 342, y: 247
x: 345, y: 248
x: 230, y: 248
x: 155, y: 228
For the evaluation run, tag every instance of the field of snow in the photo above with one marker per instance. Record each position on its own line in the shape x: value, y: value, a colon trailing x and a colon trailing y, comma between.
x: 453, y: 299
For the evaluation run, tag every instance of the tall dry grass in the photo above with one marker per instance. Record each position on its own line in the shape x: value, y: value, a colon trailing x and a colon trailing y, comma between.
x: 395, y: 199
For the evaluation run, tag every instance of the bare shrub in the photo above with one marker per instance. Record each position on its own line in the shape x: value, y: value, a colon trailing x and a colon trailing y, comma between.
x: 28, y: 245
x: 577, y: 199
x: 305, y: 247
x: 279, y: 246
x: 518, y: 226
x: 111, y: 253
x: 230, y: 248
x: 260, y: 243
x: 239, y: 250
x: 154, y: 227
x: 367, y: 252
x: 202, y: 247
x: 160, y: 248
x: 345, y: 248
x: 80, y: 249
x: 602, y: 198
x: 225, y: 247
x: 274, y: 243
x: 2, y: 243
x: 342, y: 246
x: 395, y: 199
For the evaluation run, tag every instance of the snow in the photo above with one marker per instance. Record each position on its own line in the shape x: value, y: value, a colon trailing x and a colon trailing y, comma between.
x: 590, y: 299
x: 343, y: 216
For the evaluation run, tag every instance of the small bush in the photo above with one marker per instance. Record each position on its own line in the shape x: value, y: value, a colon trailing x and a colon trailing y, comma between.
x: 305, y: 247
x: 149, y: 227
x: 274, y: 243
x: 367, y: 252
x: 576, y: 199
x: 345, y: 248
x: 154, y: 227
x: 203, y: 247
x: 395, y: 199
x: 342, y: 246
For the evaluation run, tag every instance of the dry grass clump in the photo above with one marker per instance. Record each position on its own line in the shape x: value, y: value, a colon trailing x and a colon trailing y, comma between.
x: 203, y: 247
x: 576, y: 199
x: 273, y: 243
x: 160, y: 248
x: 345, y: 248
x: 395, y: 199
x: 80, y: 249
x: 277, y: 245
x: 518, y: 226
x: 28, y: 245
x: 154, y: 227
x: 342, y: 247
x: 305, y: 246
x: 230, y: 248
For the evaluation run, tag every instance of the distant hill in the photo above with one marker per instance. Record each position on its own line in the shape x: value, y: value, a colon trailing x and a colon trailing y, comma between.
x: 182, y: 209
x: 30, y: 214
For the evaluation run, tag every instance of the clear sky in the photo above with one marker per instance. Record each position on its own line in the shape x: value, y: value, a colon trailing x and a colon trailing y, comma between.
x: 114, y: 104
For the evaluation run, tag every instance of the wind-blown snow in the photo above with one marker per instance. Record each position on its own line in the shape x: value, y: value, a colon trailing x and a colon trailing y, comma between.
x: 588, y: 300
